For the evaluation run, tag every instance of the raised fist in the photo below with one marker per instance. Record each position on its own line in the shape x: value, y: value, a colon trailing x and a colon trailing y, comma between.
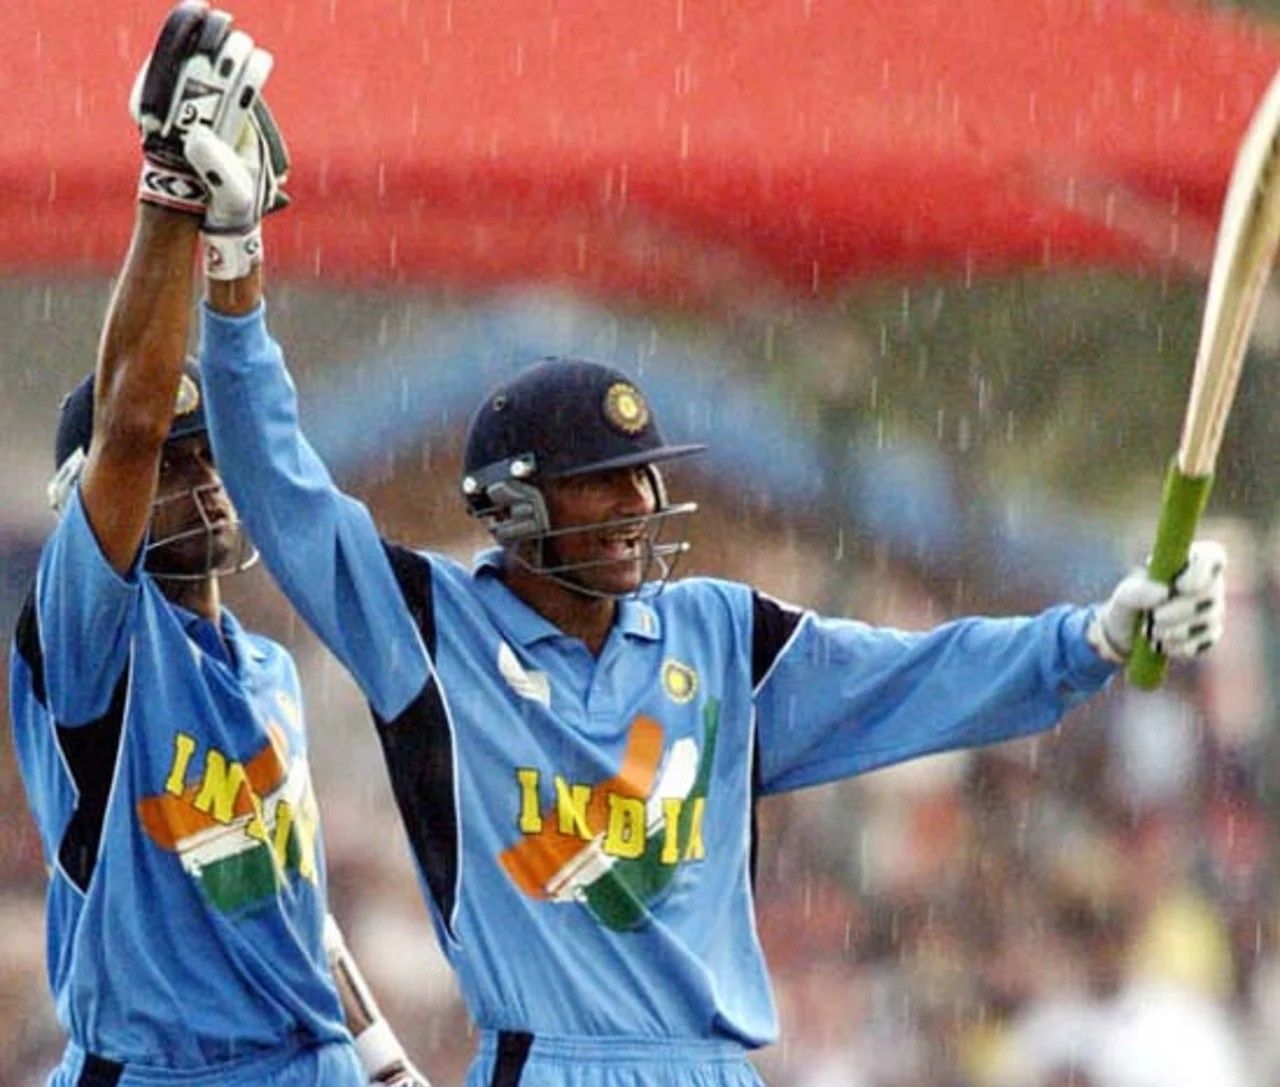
x: 201, y: 73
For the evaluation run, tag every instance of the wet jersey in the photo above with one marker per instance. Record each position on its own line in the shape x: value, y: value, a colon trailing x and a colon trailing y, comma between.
x: 583, y: 825
x: 165, y: 764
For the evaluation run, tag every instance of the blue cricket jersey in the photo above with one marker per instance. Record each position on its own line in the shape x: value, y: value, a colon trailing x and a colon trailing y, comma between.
x: 582, y: 825
x: 167, y: 772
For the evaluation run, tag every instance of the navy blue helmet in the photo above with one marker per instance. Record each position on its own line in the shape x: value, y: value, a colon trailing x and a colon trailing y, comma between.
x: 558, y: 418
x: 75, y: 418
x: 562, y: 417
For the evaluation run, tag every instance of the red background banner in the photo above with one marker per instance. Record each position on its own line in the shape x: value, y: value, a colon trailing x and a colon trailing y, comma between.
x: 671, y: 149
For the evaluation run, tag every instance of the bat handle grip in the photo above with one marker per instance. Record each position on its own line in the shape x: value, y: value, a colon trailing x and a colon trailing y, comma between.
x: 1183, y: 503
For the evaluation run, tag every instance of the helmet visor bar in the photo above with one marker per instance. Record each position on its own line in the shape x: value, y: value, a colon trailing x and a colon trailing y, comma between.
x: 679, y: 509
x: 656, y: 556
x: 227, y: 548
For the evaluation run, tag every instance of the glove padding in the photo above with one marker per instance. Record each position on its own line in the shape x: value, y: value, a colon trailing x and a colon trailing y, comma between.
x: 243, y: 184
x: 1180, y: 620
x: 201, y: 73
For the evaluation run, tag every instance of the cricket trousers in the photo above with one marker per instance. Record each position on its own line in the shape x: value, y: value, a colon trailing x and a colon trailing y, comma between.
x: 518, y: 1059
x: 331, y: 1064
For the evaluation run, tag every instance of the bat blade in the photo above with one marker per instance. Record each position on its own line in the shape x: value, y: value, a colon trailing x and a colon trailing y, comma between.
x: 1243, y: 255
x: 1248, y: 235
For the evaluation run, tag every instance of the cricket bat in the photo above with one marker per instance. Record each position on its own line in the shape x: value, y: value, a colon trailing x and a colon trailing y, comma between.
x: 1245, y: 249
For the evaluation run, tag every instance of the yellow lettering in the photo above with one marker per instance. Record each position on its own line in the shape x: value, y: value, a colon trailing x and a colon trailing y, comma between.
x: 625, y: 837
x: 305, y: 821
x: 695, y: 850
x: 256, y: 828
x: 184, y: 746
x: 672, y: 806
x: 222, y: 783
x: 571, y: 807
x: 530, y: 817
x: 284, y: 826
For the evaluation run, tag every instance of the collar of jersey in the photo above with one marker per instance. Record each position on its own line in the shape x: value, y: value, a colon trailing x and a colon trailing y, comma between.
x: 198, y: 628
x: 636, y: 618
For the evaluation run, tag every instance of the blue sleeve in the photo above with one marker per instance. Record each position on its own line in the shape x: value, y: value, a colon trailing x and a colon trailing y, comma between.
x: 320, y: 545
x: 842, y: 697
x: 84, y: 617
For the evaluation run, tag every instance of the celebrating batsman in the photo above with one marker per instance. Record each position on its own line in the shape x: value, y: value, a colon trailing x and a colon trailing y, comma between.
x: 162, y: 746
x: 576, y: 742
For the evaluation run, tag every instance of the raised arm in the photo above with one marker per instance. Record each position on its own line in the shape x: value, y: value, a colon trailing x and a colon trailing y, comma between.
x: 840, y: 697
x: 144, y: 340
x: 136, y: 380
x: 836, y: 697
x: 321, y: 546
x: 75, y: 632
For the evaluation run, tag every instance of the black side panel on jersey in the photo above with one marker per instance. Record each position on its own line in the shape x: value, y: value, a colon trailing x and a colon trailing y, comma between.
x: 772, y: 624
x: 753, y: 861
x: 513, y: 1053
x: 99, y: 1072
x: 90, y: 751
x: 413, y: 574
x: 418, y: 747
x: 26, y: 640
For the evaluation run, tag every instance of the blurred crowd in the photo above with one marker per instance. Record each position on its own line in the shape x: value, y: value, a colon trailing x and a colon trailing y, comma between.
x: 1095, y: 907
x: 1028, y: 920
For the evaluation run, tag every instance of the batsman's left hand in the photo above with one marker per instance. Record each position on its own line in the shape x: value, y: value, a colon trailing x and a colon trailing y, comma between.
x: 201, y: 74
x: 1180, y: 620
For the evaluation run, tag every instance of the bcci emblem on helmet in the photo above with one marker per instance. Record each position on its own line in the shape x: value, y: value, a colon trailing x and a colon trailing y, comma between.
x: 625, y: 408
x: 188, y: 398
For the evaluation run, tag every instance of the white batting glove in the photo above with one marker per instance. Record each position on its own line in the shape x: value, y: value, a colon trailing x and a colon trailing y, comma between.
x: 243, y: 182
x: 381, y: 1054
x: 1180, y: 620
x: 384, y: 1058
x: 201, y: 73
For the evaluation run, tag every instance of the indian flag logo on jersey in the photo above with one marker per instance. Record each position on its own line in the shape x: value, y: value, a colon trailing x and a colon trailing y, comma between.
x: 615, y: 845
x: 240, y: 829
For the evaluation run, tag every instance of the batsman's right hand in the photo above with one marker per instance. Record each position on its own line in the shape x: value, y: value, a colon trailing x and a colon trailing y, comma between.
x: 1180, y: 620
x: 244, y: 184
